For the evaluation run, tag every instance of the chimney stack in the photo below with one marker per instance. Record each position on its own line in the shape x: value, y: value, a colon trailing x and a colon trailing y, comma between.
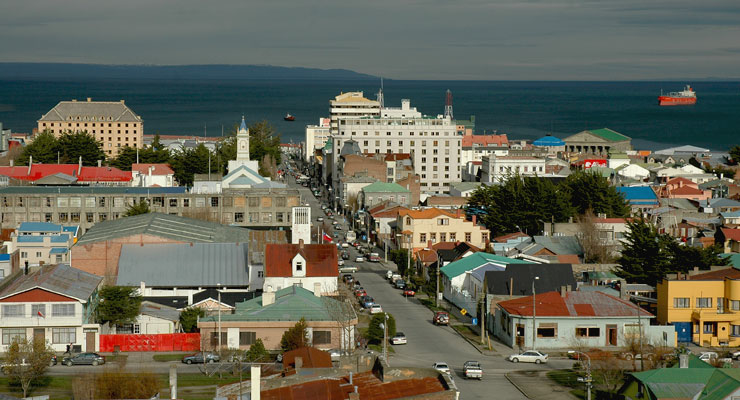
x: 317, y: 289
x: 475, y: 220
x: 268, y: 297
x: 301, y: 245
x: 562, y: 291
x: 255, y: 380
x: 429, y: 244
x: 683, y: 360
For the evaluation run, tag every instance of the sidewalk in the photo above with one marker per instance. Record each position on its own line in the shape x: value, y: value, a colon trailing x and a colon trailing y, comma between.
x: 536, y: 385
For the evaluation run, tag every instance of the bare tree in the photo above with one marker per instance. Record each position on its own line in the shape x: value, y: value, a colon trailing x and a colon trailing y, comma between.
x: 342, y: 312
x: 595, y: 251
x: 607, y: 372
x: 27, y: 361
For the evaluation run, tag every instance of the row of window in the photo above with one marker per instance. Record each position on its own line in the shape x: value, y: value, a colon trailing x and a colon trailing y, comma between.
x: 443, y: 237
x: 58, y: 335
x: 706, y: 302
x: 90, y: 217
x: 249, y: 338
x: 110, y: 125
x: 156, y: 201
x: 525, y: 168
x: 37, y: 310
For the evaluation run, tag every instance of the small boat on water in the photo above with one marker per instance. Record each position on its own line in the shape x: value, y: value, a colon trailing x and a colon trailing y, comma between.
x: 685, y: 97
x: 289, y: 117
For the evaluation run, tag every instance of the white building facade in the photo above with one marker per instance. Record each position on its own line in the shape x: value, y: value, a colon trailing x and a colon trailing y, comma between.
x: 497, y: 169
x: 350, y: 104
x: 316, y: 137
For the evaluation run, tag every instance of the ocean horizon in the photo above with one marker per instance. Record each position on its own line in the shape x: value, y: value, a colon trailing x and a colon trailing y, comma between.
x: 520, y: 109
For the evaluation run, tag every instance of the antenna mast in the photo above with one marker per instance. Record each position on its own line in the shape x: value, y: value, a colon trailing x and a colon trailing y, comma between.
x: 448, y: 104
x: 381, y: 100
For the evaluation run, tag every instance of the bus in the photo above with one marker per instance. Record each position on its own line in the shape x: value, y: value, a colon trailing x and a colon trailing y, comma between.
x: 351, y: 236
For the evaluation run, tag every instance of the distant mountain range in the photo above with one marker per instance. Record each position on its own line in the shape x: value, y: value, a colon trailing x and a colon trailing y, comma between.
x: 64, y: 71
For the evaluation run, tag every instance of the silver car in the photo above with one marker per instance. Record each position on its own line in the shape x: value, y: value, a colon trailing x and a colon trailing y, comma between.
x: 532, y: 356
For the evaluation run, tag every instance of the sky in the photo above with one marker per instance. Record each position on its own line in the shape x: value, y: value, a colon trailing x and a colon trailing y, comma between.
x: 400, y: 39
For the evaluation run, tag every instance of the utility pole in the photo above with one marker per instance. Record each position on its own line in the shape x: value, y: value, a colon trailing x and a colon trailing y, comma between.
x: 385, y: 339
x: 219, y: 320
x: 534, y: 314
x: 436, y: 293
x: 483, y: 318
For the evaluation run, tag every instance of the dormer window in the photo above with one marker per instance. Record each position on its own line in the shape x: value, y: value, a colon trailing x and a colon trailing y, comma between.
x: 298, y: 266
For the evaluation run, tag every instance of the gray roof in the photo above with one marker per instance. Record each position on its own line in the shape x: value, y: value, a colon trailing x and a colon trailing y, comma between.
x: 61, y: 279
x: 465, y: 186
x: 560, y: 244
x: 681, y: 204
x: 183, y: 265
x: 93, y: 111
x: 159, y: 311
x: 350, y: 147
x: 165, y: 225
x: 688, y: 149
x: 31, y: 190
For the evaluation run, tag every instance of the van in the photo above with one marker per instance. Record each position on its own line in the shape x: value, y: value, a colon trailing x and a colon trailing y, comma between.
x: 389, y: 275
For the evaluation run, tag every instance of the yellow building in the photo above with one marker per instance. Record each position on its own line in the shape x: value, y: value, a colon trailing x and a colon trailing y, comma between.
x: 421, y: 227
x: 703, y: 306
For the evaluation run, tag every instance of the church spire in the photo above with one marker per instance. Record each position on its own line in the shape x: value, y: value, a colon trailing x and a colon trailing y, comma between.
x: 243, y: 127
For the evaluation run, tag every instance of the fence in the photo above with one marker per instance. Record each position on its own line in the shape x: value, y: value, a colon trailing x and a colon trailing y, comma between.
x: 160, y: 342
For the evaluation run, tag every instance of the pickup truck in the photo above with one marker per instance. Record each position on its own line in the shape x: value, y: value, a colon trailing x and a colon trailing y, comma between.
x: 441, y: 318
x: 472, y: 370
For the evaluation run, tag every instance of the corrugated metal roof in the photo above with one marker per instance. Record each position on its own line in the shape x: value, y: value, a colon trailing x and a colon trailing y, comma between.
x: 574, y: 304
x: 159, y: 311
x: 477, y: 260
x: 61, y: 279
x: 183, y: 265
x: 723, y: 382
x: 165, y: 225
x: 39, y: 227
x: 30, y: 190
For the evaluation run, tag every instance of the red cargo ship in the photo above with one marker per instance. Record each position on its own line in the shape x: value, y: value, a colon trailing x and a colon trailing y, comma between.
x: 683, y: 98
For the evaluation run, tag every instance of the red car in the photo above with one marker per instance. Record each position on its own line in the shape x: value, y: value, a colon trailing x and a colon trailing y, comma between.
x: 409, y: 293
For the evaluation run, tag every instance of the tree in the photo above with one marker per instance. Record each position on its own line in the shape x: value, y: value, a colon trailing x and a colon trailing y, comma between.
x: 139, y: 207
x: 685, y: 258
x: 189, y: 318
x: 44, y: 149
x: 190, y: 161
x: 735, y: 154
x: 375, y: 330
x: 646, y: 256
x: 118, y: 305
x: 295, y: 337
x: 73, y: 145
x: 116, y: 384
x: 591, y: 191
x: 595, y: 251
x: 340, y: 311
x: 26, y: 361
x: 400, y: 258
x: 257, y: 352
x: 263, y: 140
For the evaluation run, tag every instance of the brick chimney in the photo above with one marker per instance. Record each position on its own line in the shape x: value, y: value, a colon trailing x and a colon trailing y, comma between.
x: 268, y: 297
x: 475, y: 220
x: 301, y: 245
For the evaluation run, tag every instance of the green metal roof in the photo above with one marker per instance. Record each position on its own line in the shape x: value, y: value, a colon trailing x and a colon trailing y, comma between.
x: 723, y: 382
x: 695, y: 362
x: 379, y: 187
x: 291, y: 304
x: 610, y: 135
x: 672, y: 383
x: 476, y: 260
x: 602, y: 171
x: 734, y: 259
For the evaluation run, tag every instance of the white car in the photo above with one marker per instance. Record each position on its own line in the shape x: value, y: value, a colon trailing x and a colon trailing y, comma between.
x: 340, y: 262
x: 376, y: 309
x: 345, y: 245
x: 360, y: 259
x: 708, y: 356
x: 398, y: 338
x: 441, y: 367
x: 320, y: 219
x: 389, y: 275
x: 348, y: 269
x: 531, y: 356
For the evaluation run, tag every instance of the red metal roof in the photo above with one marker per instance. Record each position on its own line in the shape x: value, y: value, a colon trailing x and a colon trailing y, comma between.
x: 103, y: 174
x: 574, y: 304
x: 485, y: 140
x: 509, y: 236
x: 312, y: 358
x: 321, y: 259
x: 731, y: 234
x: 718, y: 275
x: 159, y: 169
x: 87, y: 174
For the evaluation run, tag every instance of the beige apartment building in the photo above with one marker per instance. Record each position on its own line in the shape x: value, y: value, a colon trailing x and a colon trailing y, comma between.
x: 350, y: 104
x: 419, y: 228
x: 112, y: 123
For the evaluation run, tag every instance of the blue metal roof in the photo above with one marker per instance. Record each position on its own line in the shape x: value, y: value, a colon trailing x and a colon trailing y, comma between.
x: 4, y: 257
x: 58, y: 250
x: 63, y: 238
x: 243, y: 126
x: 549, y: 141
x: 39, y: 227
x: 638, y: 194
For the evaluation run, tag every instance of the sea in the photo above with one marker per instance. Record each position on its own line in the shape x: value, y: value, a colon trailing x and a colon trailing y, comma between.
x: 522, y: 110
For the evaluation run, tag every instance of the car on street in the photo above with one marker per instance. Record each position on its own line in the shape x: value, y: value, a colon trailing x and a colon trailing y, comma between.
x: 400, y: 284
x: 368, y: 302
x: 345, y: 255
x: 93, y: 359
x: 409, y: 293
x: 320, y: 219
x: 375, y: 309
x: 389, y: 275
x: 360, y: 259
x: 441, y: 367
x: 593, y: 355
x: 200, y: 358
x: 441, y: 318
x: 345, y: 245
x: 6, y: 368
x: 708, y: 356
x: 398, y: 338
x: 340, y: 262
x: 348, y: 278
x: 532, y: 356
x: 472, y: 370
x: 347, y: 268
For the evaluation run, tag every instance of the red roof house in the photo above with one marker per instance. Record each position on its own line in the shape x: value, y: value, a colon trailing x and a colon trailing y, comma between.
x: 312, y: 266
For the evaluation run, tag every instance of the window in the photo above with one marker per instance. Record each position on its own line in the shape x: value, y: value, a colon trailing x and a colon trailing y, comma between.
x: 453, y: 237
x: 186, y: 202
x: 588, y: 332
x: 90, y: 217
x: 224, y: 338
x: 214, y: 201
x: 260, y: 274
x: 254, y: 201
x: 200, y: 202
x: 443, y: 221
x: 254, y: 217
x: 13, y: 310
x: 38, y: 254
x: 247, y: 338
x: 735, y: 305
x: 433, y: 237
x: 75, y: 217
x: 280, y: 202
x: 442, y: 237
x: 468, y: 236
x: 703, y: 302
x: 547, y: 330
x: 299, y: 266
x: 682, y: 302
x: 63, y: 335
x: 422, y: 237
x: 238, y: 217
x: 279, y: 217
x: 710, y: 327
x: 38, y: 310
x: 735, y: 330
x: 63, y: 217
x: 173, y: 202
x: 9, y: 334
x: 484, y: 237
x: 63, y: 310
x: 321, y: 337
x: 720, y: 305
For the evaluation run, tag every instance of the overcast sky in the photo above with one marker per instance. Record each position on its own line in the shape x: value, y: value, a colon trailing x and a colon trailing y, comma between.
x: 402, y: 39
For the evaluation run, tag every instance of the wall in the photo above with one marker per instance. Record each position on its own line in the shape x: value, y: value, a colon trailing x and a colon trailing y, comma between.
x: 328, y: 283
x: 459, y: 226
x: 149, y: 325
x: 271, y: 332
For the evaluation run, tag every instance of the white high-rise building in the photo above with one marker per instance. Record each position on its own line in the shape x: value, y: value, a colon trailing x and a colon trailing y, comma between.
x: 350, y: 104
x: 433, y: 143
x: 316, y: 137
x: 301, y: 228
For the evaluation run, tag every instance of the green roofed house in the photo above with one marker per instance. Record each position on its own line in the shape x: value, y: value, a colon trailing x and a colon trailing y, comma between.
x: 380, y: 192
x: 599, y: 142
x: 667, y: 383
x: 331, y: 323
x: 724, y: 384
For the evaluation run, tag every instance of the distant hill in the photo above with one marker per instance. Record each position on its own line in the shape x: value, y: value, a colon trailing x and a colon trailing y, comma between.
x: 63, y: 71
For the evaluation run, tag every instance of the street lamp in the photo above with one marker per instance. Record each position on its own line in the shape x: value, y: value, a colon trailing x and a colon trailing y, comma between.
x: 588, y: 373
x: 385, y: 338
x: 534, y: 314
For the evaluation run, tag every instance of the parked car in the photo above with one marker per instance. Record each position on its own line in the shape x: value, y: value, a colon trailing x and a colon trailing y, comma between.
x: 593, y: 354
x: 345, y: 255
x: 400, y: 284
x: 200, y: 358
x: 360, y: 259
x: 389, y: 275
x: 532, y: 356
x: 374, y: 257
x: 369, y: 301
x: 472, y: 370
x: 5, y: 367
x: 320, y: 219
x: 441, y: 318
x: 441, y: 367
x: 398, y: 338
x: 708, y: 356
x: 348, y: 268
x: 340, y: 262
x: 347, y: 278
x: 84, y: 359
x: 375, y: 308
x: 409, y: 293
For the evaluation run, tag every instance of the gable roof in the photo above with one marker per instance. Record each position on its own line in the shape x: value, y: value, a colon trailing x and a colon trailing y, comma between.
x: 157, y: 169
x: 722, y: 383
x: 485, y: 140
x: 228, y: 298
x: 60, y: 279
x: 183, y: 265
x: 720, y: 274
x: 103, y: 111
x: 164, y: 225
x: 427, y: 213
x: 312, y: 357
x: 574, y: 304
x: 476, y: 260
x: 608, y: 134
x: 451, y: 251
x: 159, y: 311
x: 552, y: 277
x: 560, y: 245
x: 321, y: 259
x: 638, y: 195
x: 384, y: 187
x: 675, y: 383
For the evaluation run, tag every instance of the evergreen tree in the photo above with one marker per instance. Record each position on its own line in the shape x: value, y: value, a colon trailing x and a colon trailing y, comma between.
x: 375, y: 331
x: 686, y: 258
x: 118, y: 305
x: 44, y: 149
x: 590, y: 191
x: 189, y: 318
x: 646, y: 256
x: 74, y: 145
x: 138, y: 208
x: 735, y: 155
x: 257, y: 352
x: 295, y: 337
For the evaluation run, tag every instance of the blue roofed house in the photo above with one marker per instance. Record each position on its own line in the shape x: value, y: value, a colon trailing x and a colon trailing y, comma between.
x: 639, y: 198
x: 551, y: 143
x: 43, y: 243
x: 5, y: 266
x: 463, y: 280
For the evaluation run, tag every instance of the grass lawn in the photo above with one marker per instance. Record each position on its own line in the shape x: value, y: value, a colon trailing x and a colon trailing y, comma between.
x: 568, y: 378
x: 167, y: 357
x: 429, y: 303
x: 119, y: 358
x: 465, y: 329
